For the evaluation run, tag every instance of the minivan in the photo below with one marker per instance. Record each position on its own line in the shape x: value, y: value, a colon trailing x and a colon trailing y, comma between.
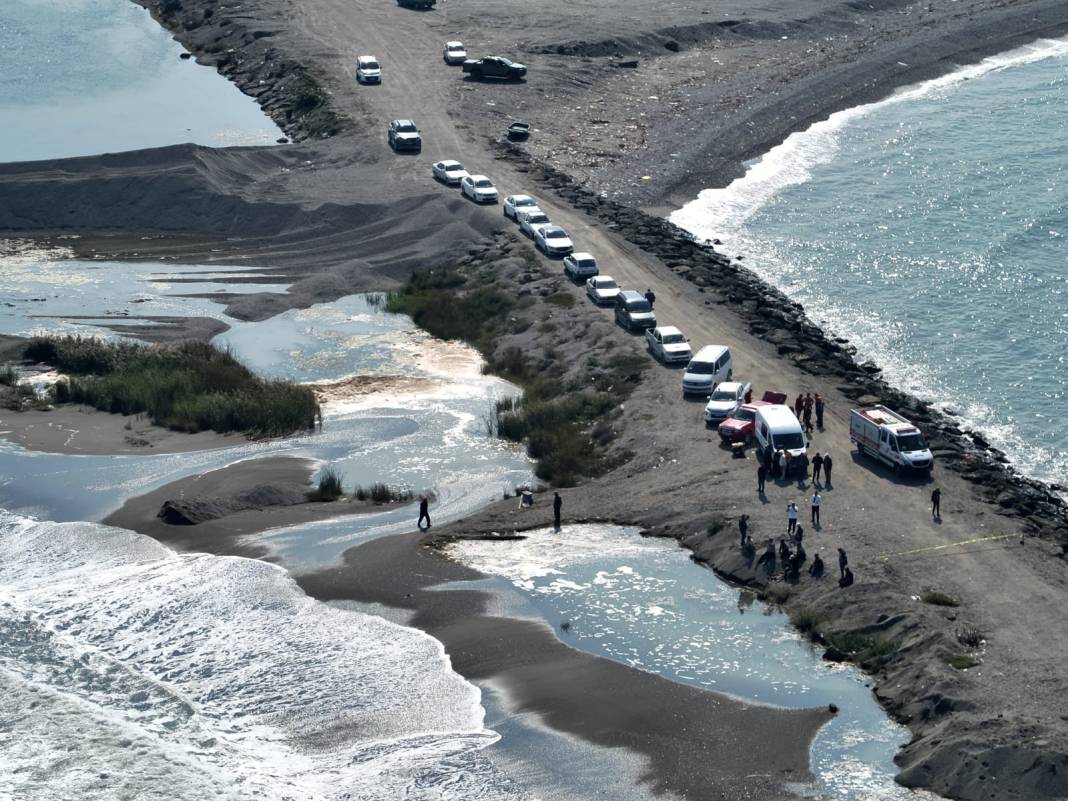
x: 708, y: 367
x: 634, y: 311
x: 776, y: 428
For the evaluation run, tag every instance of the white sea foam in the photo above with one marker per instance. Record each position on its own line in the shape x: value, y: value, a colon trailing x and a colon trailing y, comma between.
x: 130, y: 671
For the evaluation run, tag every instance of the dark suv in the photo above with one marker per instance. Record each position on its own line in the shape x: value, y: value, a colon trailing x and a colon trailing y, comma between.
x: 494, y: 67
x: 633, y: 311
x: 403, y: 135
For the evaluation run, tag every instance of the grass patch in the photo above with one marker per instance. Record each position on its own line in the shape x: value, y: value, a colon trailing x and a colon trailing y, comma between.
x: 433, y: 301
x: 190, y: 386
x: 861, y: 647
x: 382, y: 493
x: 805, y: 620
x: 329, y: 488
x: 8, y: 376
x: 939, y: 599
x: 970, y: 637
x: 962, y: 661
x: 776, y: 594
x: 564, y: 300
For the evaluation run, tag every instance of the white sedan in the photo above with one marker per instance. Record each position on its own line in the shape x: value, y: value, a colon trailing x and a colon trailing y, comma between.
x: 668, y: 344
x: 578, y: 266
x: 725, y: 400
x: 449, y: 172
x: 454, y: 53
x: 513, y: 204
x: 479, y: 188
x: 552, y: 240
x: 531, y: 220
x: 602, y: 290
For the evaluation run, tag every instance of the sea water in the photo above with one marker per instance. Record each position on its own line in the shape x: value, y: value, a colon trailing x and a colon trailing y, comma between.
x: 930, y: 229
x: 81, y: 77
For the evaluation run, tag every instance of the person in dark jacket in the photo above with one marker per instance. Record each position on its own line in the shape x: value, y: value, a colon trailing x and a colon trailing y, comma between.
x: 784, y: 552
x: 817, y: 467
x: 816, y: 568
x: 827, y: 465
x: 743, y: 529
x: 843, y: 561
x: 820, y: 405
x: 847, y: 579
x: 762, y: 477
x: 936, y: 503
x: 424, y: 512
x: 649, y: 296
x: 557, y: 505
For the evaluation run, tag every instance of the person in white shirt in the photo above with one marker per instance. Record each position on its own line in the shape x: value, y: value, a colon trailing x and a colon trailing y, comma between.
x: 817, y: 499
x: 791, y: 518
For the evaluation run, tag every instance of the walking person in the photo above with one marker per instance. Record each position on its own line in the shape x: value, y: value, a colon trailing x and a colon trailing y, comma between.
x: 827, y: 465
x: 817, y: 466
x: 819, y: 411
x: 743, y: 529
x: 424, y: 512
x: 843, y: 562
x: 936, y: 504
x: 791, y: 518
x: 799, y: 404
x: 649, y: 296
x: 817, y: 499
x: 762, y: 477
x: 557, y: 505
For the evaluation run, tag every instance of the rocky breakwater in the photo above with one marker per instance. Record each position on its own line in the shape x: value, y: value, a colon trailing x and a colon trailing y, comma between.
x: 772, y: 316
x: 236, y: 38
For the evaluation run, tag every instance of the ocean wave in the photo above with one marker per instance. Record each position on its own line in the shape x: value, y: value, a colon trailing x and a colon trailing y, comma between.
x: 130, y: 671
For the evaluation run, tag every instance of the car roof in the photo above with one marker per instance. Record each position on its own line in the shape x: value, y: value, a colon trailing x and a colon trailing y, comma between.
x: 403, y: 122
x: 534, y: 212
x: 517, y: 198
x: 668, y: 329
x: 604, y: 279
x: 632, y: 294
x: 549, y: 228
x: 478, y: 177
x: 582, y: 255
x: 454, y: 43
x: 709, y: 353
x: 730, y: 385
x: 366, y: 58
x: 778, y: 416
x: 450, y: 163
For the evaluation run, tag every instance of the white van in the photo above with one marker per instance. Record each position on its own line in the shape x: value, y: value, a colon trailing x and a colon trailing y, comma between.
x: 890, y: 438
x: 708, y: 367
x: 776, y: 428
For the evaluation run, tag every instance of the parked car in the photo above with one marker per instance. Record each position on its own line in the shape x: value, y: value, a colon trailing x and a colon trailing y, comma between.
x: 708, y: 367
x: 368, y: 70
x: 890, y: 438
x: 454, y: 53
x: 602, y: 290
x: 519, y: 131
x: 776, y: 428
x: 578, y: 266
x: 449, y: 172
x: 403, y: 135
x: 530, y: 220
x: 739, y: 426
x: 725, y: 400
x: 633, y: 311
x: 552, y: 240
x: 668, y: 344
x: 515, y: 203
x: 479, y: 188
x: 494, y: 67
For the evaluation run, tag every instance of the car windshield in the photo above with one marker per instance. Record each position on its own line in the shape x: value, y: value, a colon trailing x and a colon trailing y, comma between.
x: 791, y: 442
x: 556, y: 233
x: 454, y: 167
x: 456, y: 48
x: 537, y: 218
x: 724, y: 395
x: 408, y: 127
x: 604, y: 283
x: 586, y: 262
x: 370, y: 65
x: 639, y: 306
x: 745, y: 415
x: 485, y: 183
x: 911, y: 442
x: 524, y: 201
x: 505, y: 61
x: 671, y: 339
x: 701, y: 368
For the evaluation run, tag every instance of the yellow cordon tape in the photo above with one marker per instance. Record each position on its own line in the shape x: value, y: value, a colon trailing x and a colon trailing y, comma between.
x: 949, y: 545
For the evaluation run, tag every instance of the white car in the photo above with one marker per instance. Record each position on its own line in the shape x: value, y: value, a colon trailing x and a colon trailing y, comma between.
x: 725, y: 400
x: 530, y: 220
x: 552, y: 240
x: 449, y: 172
x: 602, y: 290
x: 513, y: 204
x: 668, y: 344
x: 368, y: 70
x: 479, y: 188
x: 454, y: 53
x: 578, y: 266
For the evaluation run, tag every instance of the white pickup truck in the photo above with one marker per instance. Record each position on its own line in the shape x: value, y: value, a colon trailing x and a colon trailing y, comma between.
x: 890, y: 438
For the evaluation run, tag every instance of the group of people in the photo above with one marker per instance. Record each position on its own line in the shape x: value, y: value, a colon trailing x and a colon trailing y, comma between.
x: 805, y: 405
x: 790, y: 551
x: 781, y: 464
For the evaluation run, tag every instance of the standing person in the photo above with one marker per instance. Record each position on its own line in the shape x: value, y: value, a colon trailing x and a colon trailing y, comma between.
x: 806, y: 416
x: 781, y: 459
x: 817, y: 466
x: 424, y: 511
x: 936, y: 504
x: 762, y: 477
x: 557, y: 504
x: 799, y: 404
x: 808, y: 404
x: 816, y: 501
x: 827, y: 465
x: 816, y: 568
x: 649, y: 296
x: 819, y: 411
x: 843, y: 562
x: 791, y: 518
x: 743, y: 528
x: 749, y: 395
x: 847, y: 579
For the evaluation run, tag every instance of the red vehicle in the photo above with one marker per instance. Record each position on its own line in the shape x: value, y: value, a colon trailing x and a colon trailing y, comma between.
x: 739, y: 426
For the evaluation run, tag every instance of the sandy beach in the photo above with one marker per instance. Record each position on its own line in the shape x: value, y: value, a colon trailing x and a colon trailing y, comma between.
x: 684, y: 97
